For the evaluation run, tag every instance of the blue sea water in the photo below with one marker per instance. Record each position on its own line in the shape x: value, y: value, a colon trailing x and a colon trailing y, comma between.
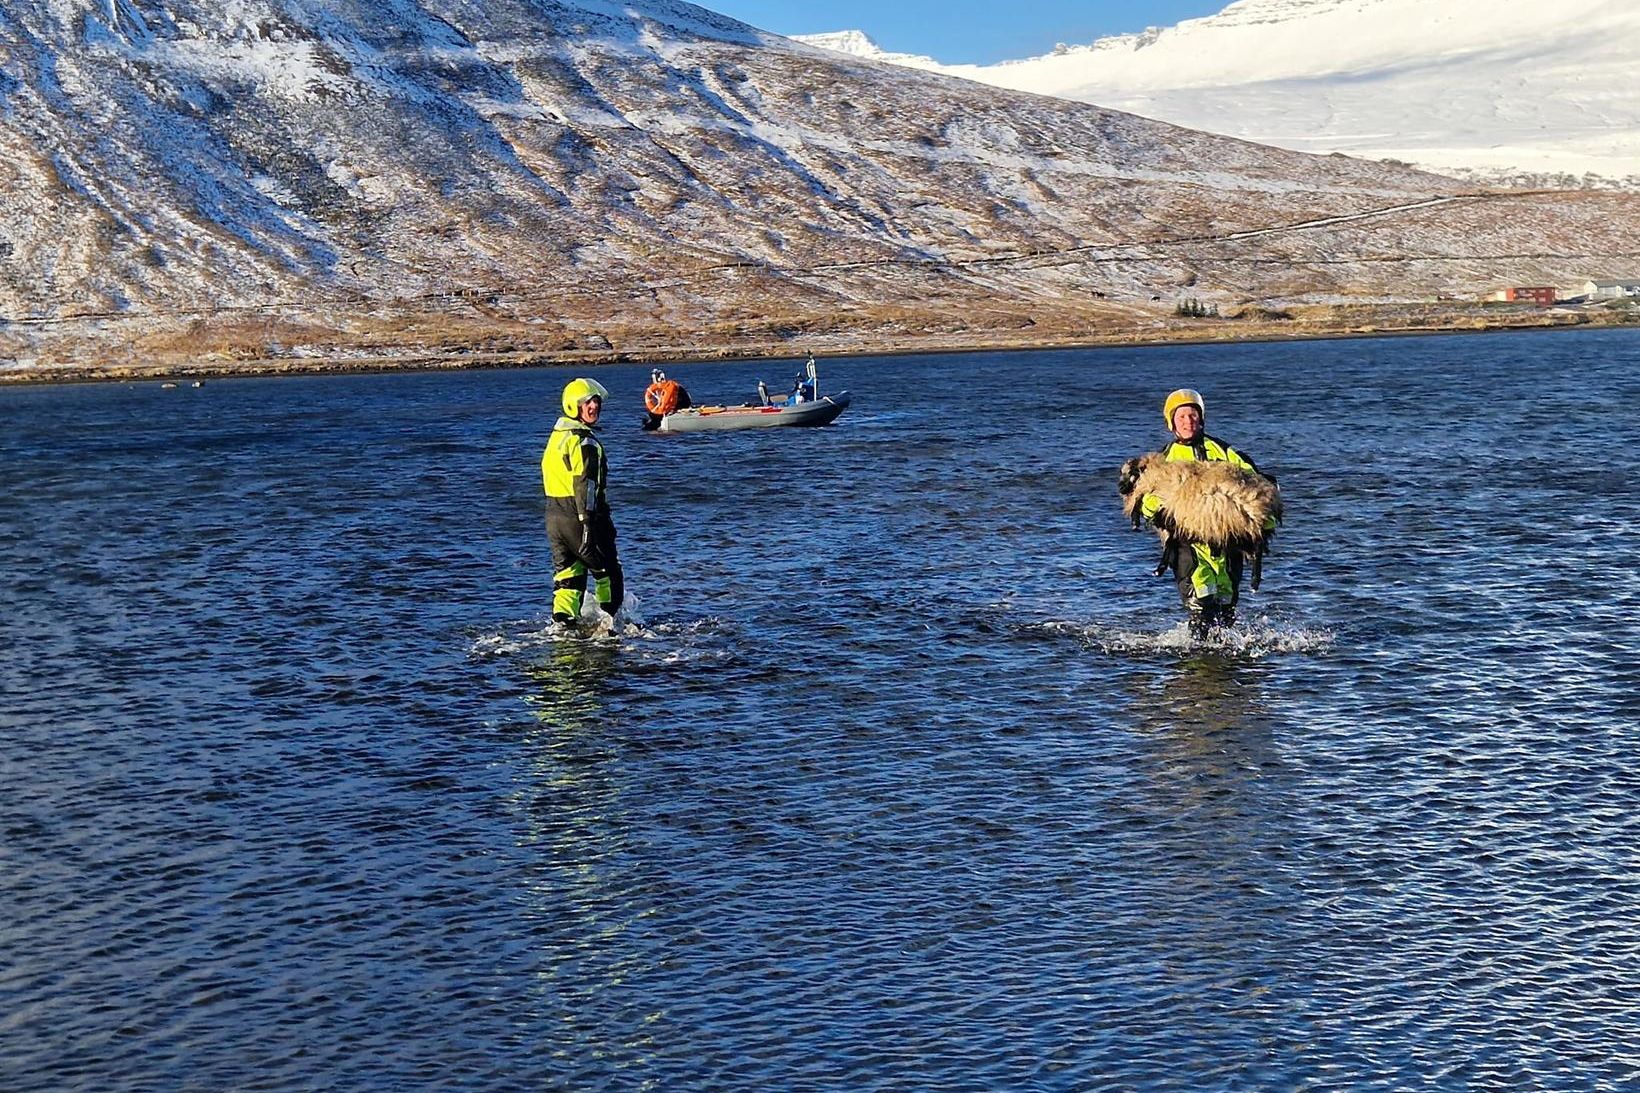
x: 899, y: 774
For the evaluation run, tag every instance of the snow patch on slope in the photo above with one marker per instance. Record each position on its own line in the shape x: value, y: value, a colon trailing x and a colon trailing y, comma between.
x: 1466, y: 85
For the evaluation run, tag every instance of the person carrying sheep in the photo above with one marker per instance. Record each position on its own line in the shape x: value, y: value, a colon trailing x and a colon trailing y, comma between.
x: 1212, y: 507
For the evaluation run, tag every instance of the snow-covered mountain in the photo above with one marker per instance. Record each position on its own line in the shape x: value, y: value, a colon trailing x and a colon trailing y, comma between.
x: 1471, y: 86
x: 257, y: 178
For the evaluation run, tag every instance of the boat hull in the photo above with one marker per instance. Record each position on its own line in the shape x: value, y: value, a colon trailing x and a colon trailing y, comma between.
x: 709, y: 419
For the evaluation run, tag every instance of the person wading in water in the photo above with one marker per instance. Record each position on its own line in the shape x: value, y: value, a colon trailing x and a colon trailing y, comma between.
x: 582, y: 535
x: 1212, y: 506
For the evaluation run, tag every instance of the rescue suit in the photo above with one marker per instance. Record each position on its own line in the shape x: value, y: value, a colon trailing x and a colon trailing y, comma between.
x: 1211, y: 518
x: 1203, y: 572
x: 579, y: 528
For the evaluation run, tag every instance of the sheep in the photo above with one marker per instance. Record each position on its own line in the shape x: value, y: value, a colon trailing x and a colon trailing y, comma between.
x: 1214, y: 503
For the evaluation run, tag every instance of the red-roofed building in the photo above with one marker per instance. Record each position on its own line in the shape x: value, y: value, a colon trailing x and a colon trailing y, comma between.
x: 1526, y: 295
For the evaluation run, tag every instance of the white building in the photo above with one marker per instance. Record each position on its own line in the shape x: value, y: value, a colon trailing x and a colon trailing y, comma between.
x: 1611, y: 289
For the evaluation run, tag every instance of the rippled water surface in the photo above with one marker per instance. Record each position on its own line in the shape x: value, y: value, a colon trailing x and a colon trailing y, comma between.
x: 900, y: 775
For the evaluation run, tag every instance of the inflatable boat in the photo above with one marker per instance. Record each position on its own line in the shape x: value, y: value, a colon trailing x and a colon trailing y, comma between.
x: 704, y: 419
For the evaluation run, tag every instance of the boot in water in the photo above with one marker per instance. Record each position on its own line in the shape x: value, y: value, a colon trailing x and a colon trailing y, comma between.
x: 1198, y: 619
x: 1207, y: 615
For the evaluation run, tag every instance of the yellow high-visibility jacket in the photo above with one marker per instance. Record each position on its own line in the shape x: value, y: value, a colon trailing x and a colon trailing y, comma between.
x: 1205, y: 449
x: 573, y: 469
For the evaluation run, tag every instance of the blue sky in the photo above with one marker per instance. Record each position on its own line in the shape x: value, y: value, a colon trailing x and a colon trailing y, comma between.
x: 958, y: 31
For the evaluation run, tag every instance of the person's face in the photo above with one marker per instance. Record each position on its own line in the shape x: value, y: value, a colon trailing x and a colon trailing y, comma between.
x: 1187, y: 422
x: 590, y: 409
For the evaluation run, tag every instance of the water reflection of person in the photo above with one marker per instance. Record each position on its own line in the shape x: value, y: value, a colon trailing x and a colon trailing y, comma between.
x: 1217, y: 789
x: 568, y: 683
x: 569, y: 807
x: 1214, y: 740
x: 1207, y: 693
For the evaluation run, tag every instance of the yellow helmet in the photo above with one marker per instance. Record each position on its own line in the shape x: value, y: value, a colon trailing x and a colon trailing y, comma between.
x: 1184, y: 396
x: 578, y: 391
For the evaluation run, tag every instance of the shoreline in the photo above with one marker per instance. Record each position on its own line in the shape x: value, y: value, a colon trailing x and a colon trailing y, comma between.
x: 829, y: 346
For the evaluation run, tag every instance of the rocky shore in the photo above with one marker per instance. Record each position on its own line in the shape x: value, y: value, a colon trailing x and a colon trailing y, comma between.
x: 222, y: 352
